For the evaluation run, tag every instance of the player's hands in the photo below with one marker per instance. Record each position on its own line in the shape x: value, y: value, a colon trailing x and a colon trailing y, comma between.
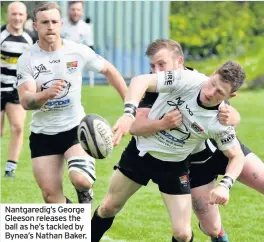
x: 55, y: 89
x: 228, y: 115
x: 219, y: 195
x: 121, y: 128
x: 172, y: 119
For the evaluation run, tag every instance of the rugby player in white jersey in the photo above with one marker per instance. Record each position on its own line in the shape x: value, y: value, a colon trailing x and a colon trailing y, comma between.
x: 205, y: 165
x: 74, y: 28
x: 14, y: 40
x: 198, y: 98
x: 50, y: 82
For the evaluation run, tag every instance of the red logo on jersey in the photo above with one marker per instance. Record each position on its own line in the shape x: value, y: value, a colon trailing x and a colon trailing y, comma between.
x: 72, y: 64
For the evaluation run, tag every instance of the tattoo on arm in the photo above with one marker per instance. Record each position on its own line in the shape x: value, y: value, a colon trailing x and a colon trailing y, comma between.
x: 255, y: 175
x: 32, y: 104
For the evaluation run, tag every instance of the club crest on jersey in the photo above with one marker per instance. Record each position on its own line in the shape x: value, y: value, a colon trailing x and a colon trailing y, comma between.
x: 196, y: 127
x: 72, y: 66
x: 184, y: 180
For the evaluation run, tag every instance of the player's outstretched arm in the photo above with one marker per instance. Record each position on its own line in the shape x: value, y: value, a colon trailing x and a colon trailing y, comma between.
x: 138, y: 86
x: 145, y: 127
x: 114, y: 78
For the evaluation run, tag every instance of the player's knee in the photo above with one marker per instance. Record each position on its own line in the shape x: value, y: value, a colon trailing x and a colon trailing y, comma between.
x: 79, y: 181
x: 82, y: 172
x: 109, y: 208
x: 182, y: 235
x: 49, y: 195
x: 211, y: 229
x: 16, y: 129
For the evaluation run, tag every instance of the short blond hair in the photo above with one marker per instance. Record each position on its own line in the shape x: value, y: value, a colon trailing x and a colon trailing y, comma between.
x: 169, y: 44
x: 44, y: 7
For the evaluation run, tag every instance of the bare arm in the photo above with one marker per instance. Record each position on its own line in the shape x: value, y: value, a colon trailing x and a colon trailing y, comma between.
x: 31, y: 99
x: 236, y: 161
x: 139, y: 85
x: 114, y: 78
x: 143, y: 126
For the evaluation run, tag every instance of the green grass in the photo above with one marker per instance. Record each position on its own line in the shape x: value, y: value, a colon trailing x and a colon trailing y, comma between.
x: 145, y: 218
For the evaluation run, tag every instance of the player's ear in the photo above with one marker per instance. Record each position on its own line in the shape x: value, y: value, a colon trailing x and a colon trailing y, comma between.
x: 233, y: 94
x: 180, y: 60
x: 35, y: 25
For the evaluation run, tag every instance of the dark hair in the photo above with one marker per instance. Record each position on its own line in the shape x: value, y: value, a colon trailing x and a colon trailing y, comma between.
x: 44, y: 7
x: 73, y: 2
x: 233, y: 73
x: 169, y: 44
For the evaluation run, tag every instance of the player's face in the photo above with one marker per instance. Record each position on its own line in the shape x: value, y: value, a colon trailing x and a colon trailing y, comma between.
x: 17, y: 16
x: 48, y: 25
x: 164, y: 60
x: 214, y: 91
x: 75, y: 12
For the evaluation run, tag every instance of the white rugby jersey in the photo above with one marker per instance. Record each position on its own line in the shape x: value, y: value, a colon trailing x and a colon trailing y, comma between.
x: 43, y: 68
x: 181, y: 89
x: 80, y: 32
x: 11, y: 48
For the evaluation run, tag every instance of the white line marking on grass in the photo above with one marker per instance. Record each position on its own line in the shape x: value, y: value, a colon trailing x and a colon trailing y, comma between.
x: 106, y: 238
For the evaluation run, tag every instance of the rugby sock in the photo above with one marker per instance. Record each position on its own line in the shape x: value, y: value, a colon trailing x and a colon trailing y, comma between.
x: 99, y: 226
x: 221, y: 238
x: 174, y: 240
x: 10, y: 165
x: 68, y: 200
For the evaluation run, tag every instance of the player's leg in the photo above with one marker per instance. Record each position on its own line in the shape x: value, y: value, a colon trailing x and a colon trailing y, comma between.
x: 202, y: 182
x: 48, y: 172
x: 128, y: 177
x: 207, y: 214
x: 176, y: 195
x: 48, y: 162
x: 180, y: 210
x: 81, y: 169
x: 252, y: 174
x: 2, y: 124
x: 16, y: 116
x: 121, y: 188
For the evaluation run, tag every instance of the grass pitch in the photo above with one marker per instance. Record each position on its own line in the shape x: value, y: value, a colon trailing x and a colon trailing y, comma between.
x: 145, y: 218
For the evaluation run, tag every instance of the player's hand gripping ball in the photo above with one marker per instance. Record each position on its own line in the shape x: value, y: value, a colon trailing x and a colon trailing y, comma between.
x: 95, y: 135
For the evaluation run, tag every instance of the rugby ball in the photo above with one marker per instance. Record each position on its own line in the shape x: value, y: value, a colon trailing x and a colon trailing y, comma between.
x: 95, y: 135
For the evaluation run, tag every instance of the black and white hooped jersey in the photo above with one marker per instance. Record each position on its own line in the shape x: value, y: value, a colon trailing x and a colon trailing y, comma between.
x: 11, y: 48
x: 180, y: 89
x: 44, y: 68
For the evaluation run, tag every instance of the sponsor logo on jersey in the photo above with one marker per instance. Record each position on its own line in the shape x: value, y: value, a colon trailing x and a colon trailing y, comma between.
x: 72, y: 66
x: 196, y: 127
x: 54, y: 61
x: 228, y: 131
x: 63, y: 93
x: 41, y: 69
x: 228, y: 139
x: 184, y: 180
x: 8, y: 60
x: 168, y: 78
